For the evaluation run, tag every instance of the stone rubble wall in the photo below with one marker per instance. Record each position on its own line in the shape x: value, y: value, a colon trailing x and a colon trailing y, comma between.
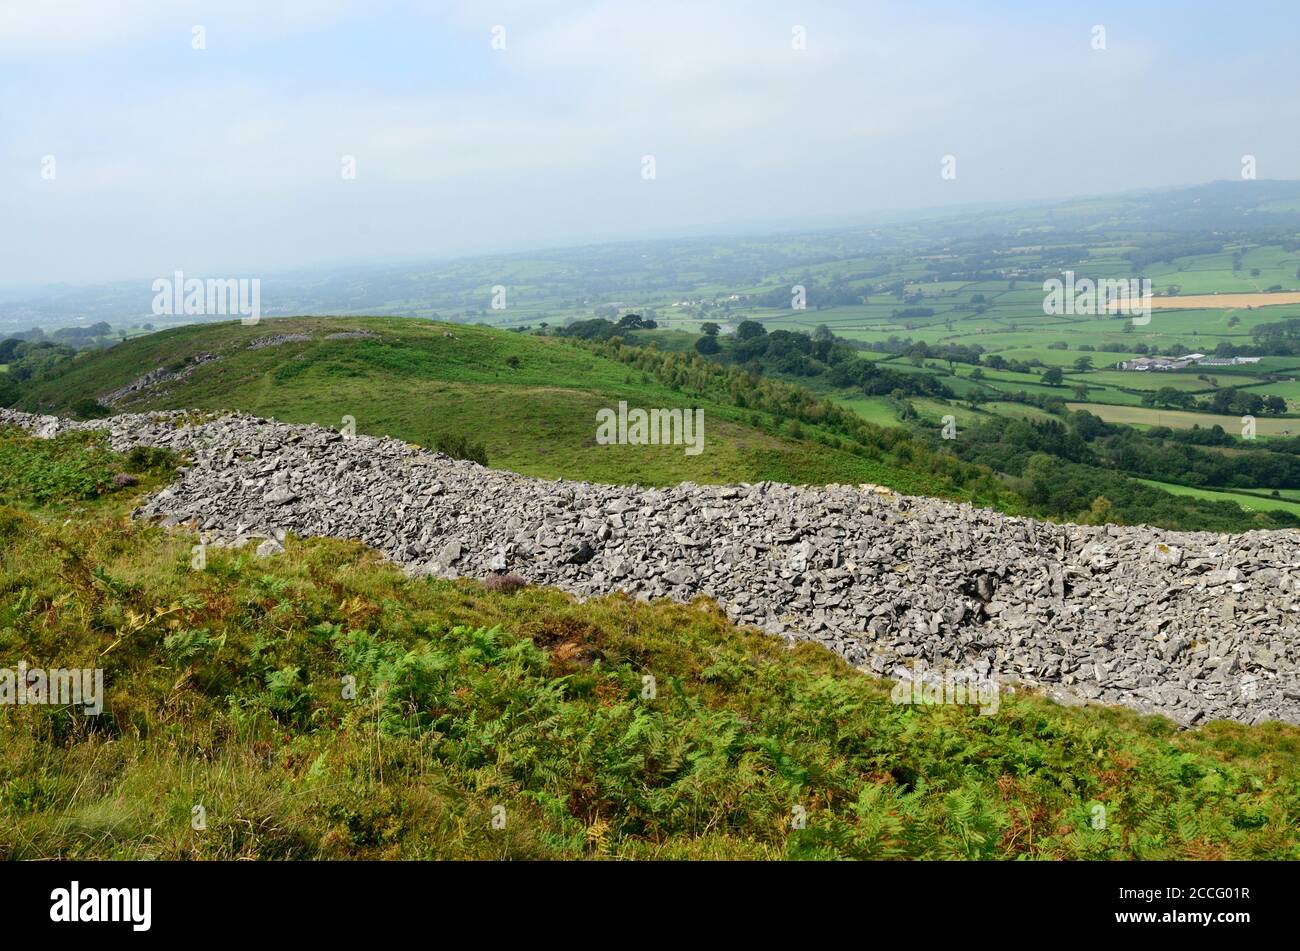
x: 153, y: 378
x: 1192, y: 625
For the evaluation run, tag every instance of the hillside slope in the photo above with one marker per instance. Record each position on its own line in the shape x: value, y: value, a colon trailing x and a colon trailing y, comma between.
x: 1191, y: 625
x: 531, y: 400
x: 602, y: 729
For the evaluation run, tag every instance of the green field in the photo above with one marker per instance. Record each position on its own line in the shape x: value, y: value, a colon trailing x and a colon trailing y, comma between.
x: 1178, y: 419
x: 1249, y: 502
x: 874, y: 409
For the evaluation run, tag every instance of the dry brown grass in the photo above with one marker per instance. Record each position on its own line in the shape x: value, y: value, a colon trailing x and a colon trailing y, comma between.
x: 1217, y: 301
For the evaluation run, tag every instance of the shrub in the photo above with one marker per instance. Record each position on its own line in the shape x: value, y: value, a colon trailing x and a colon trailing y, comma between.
x: 504, y: 584
x: 88, y: 408
x: 460, y: 446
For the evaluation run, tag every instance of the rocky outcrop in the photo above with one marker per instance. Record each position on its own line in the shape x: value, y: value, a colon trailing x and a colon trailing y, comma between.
x: 261, y: 343
x: 149, y: 382
x: 1191, y: 625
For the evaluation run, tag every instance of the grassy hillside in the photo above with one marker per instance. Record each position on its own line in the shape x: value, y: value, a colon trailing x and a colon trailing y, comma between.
x: 531, y: 400
x: 224, y: 690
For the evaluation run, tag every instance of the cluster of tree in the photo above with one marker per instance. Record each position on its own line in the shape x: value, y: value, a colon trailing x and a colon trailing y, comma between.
x: 893, y: 344
x: 1090, y: 494
x: 798, y: 411
x: 1045, y: 401
x: 1281, y: 338
x: 29, y: 362
x: 950, y: 353
x: 876, y: 380
x: 99, y: 334
x: 600, y: 328
x: 1169, y: 461
x: 995, y: 361
x: 793, y: 353
x: 1214, y: 435
x: 1161, y: 454
x: 83, y: 336
x: 1080, y: 469
x: 1168, y: 249
x: 1228, y: 401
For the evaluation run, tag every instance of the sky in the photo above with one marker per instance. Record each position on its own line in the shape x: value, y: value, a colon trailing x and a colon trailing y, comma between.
x: 141, y: 137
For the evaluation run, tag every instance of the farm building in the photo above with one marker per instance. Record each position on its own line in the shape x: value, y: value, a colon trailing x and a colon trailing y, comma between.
x: 1226, y: 361
x: 1183, y: 362
x: 1155, y: 363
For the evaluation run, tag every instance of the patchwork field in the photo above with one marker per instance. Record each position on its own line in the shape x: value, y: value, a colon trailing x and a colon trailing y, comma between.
x: 1248, y: 501
x: 1178, y: 419
x: 1223, y: 301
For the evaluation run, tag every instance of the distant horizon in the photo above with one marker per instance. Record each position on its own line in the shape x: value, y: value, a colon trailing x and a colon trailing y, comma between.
x: 845, y: 222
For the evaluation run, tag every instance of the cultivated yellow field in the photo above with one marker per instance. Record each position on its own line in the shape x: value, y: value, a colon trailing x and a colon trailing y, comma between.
x: 1216, y: 301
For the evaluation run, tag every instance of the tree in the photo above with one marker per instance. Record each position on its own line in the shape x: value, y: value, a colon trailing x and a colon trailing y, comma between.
x: 1172, y: 396
x: 822, y: 332
x: 1274, y: 405
x: 750, y: 329
x: 1100, y: 511
x: 707, y: 344
x: 9, y: 390
x: 1080, y: 391
x: 709, y: 329
x: 1083, y: 364
x: 1052, y: 376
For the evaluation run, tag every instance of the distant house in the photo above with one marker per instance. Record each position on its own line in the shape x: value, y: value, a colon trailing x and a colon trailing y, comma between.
x: 1226, y: 361
x: 1155, y: 363
x: 1182, y: 363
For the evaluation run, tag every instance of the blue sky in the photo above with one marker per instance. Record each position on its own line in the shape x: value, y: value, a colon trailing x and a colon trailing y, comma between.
x: 227, y: 160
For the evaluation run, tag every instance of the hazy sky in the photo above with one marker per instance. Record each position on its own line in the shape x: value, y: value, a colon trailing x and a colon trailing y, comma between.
x: 228, y: 160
